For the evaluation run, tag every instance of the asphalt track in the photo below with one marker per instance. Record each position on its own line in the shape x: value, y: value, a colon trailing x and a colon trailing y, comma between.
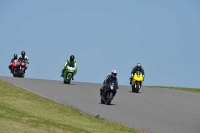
x: 154, y: 110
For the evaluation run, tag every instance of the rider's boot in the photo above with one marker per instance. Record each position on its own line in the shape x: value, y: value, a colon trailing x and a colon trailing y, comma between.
x: 10, y: 68
x: 25, y: 69
x: 130, y: 80
x: 101, y: 91
x: 62, y: 73
x: 72, y: 76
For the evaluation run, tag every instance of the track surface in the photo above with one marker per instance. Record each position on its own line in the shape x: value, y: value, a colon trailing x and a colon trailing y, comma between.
x: 154, y: 110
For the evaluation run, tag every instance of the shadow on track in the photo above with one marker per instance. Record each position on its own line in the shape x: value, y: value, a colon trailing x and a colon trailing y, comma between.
x: 67, y: 84
x: 108, y: 105
x: 134, y: 92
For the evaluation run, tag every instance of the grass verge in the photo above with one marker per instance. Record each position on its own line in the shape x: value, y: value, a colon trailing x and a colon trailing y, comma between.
x: 177, y: 88
x: 23, y: 111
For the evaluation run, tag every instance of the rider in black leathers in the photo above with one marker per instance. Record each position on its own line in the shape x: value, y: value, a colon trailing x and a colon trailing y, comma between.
x: 10, y: 66
x: 138, y: 67
x: 112, y: 76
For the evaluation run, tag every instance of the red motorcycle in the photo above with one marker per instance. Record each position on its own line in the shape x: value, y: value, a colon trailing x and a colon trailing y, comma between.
x: 20, y: 67
x: 14, y: 67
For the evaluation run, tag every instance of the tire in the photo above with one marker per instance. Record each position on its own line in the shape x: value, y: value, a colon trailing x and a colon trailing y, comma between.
x: 68, y: 81
x: 137, y: 87
x: 109, y: 98
x: 22, y: 76
x: 14, y: 74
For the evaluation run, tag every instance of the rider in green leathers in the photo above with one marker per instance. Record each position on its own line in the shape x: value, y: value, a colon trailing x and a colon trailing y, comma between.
x: 71, y: 60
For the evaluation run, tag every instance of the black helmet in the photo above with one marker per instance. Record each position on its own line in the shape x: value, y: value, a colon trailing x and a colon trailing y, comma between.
x: 138, y: 65
x: 23, y: 53
x: 15, y: 56
x: 72, y: 58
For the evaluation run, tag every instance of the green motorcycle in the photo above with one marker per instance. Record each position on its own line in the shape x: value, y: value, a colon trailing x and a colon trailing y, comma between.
x: 69, y: 72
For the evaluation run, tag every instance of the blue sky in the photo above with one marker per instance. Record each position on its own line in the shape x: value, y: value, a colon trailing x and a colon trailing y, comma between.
x: 164, y: 36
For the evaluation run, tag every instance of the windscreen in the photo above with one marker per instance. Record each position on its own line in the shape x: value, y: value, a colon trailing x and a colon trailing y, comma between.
x: 138, y: 73
x: 71, y: 65
x: 113, y: 82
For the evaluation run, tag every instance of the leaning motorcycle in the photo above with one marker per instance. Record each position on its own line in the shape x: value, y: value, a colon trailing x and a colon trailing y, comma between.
x: 137, y: 81
x: 69, y: 72
x: 108, y: 93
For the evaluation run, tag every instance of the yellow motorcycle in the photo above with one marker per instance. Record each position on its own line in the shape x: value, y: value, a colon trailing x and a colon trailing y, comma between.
x: 137, y: 81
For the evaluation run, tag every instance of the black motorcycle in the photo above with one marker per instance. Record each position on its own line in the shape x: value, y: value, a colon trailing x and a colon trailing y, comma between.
x: 109, y: 92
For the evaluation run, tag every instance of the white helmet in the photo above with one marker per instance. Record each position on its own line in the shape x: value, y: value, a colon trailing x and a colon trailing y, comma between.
x: 114, y: 73
x: 138, y: 65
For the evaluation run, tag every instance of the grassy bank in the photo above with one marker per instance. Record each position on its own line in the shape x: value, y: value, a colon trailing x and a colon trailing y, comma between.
x: 177, y: 88
x: 22, y: 111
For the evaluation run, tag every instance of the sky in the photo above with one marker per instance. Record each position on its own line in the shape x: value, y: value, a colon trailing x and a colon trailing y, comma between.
x: 164, y: 36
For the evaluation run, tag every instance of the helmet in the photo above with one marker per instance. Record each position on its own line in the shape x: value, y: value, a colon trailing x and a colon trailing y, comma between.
x: 15, y: 56
x: 138, y: 65
x: 23, y: 54
x: 72, y: 58
x: 114, y: 73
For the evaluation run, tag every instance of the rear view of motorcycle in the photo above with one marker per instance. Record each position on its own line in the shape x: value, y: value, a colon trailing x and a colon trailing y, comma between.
x: 109, y: 93
x: 137, y: 81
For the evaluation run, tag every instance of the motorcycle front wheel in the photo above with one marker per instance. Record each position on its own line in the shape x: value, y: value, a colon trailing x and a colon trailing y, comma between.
x: 138, y: 86
x: 109, y: 98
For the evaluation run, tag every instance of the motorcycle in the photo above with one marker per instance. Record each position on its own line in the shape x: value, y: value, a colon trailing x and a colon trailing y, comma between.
x: 137, y: 81
x: 70, y: 70
x: 20, y: 67
x: 109, y: 93
x: 14, y: 67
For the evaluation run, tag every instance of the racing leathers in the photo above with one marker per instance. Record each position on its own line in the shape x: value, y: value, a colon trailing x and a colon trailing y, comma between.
x: 65, y: 65
x: 136, y: 68
x: 25, y: 58
x: 106, y: 81
x: 13, y: 59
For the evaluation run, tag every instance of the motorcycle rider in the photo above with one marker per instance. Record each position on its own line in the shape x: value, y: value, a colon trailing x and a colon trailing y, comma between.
x: 13, y: 59
x: 71, y: 60
x: 110, y: 77
x: 23, y: 56
x: 138, y: 67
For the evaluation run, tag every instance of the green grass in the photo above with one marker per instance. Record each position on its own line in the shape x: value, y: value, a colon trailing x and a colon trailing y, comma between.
x: 24, y: 112
x: 197, y: 90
